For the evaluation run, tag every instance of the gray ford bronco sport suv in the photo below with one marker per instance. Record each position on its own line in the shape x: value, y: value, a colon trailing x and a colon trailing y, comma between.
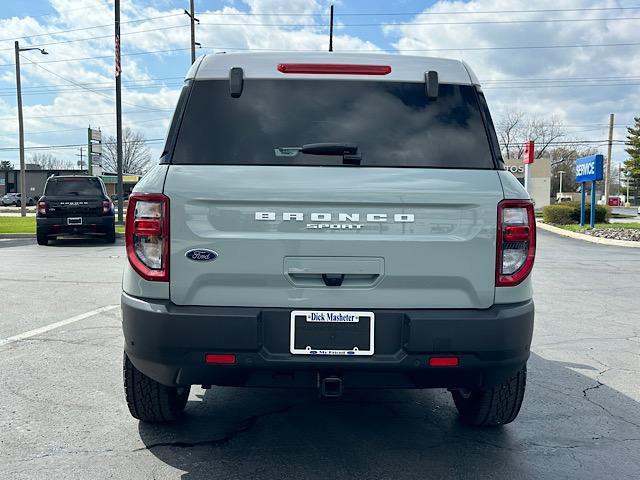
x: 329, y: 221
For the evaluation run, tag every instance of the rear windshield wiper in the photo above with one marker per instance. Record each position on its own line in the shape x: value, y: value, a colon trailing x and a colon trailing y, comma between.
x: 348, y: 151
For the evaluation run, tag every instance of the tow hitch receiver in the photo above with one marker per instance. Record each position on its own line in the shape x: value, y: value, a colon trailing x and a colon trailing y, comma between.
x: 331, y: 387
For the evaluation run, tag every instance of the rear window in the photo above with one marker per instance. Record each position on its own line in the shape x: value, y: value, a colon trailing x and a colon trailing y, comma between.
x: 74, y: 187
x: 393, y: 124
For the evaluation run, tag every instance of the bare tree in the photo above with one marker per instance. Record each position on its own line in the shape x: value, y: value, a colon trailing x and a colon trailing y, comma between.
x: 514, y: 129
x: 135, y: 153
x: 544, y: 132
x: 510, y: 132
x: 46, y: 161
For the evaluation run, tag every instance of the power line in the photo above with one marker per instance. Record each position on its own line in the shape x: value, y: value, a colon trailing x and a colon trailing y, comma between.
x: 90, y: 114
x: 103, y: 57
x: 109, y: 25
x: 297, y: 25
x: 455, y: 12
x: 73, y: 145
x: 127, y: 82
x: 100, y: 89
x: 533, y: 79
x: 419, y: 24
x: 443, y: 49
x: 100, y: 37
x: 86, y: 88
x: 575, y: 85
x: 83, y: 129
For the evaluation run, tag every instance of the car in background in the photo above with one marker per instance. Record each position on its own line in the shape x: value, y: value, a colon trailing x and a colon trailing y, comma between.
x: 15, y: 199
x: 74, y: 205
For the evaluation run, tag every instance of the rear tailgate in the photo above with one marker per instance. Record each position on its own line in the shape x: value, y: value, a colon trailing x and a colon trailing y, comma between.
x: 73, y: 206
x: 425, y: 238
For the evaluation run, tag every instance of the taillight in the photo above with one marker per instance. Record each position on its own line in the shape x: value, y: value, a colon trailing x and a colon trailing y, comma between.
x: 106, y: 206
x: 147, y: 235
x: 516, y: 242
x: 334, y: 69
x: 42, y: 208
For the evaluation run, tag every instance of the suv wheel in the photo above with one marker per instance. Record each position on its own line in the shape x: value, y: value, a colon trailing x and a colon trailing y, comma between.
x: 492, y: 406
x: 110, y: 237
x: 41, y: 237
x: 149, y: 400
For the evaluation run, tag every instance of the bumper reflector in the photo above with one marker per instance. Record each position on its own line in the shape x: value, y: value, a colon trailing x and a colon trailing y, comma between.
x: 444, y: 362
x: 220, y: 358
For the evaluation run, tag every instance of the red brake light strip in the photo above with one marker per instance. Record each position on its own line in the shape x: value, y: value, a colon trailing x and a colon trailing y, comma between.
x: 334, y: 68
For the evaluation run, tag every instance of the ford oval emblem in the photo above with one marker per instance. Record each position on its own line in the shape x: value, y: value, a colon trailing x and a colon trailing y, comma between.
x: 201, y: 255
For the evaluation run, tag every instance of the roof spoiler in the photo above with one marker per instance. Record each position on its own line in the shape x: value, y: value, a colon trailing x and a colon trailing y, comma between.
x: 236, y: 81
x: 431, y: 84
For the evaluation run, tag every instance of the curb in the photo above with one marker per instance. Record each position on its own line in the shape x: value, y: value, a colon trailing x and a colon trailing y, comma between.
x: 587, y: 238
x: 17, y: 235
x: 9, y: 236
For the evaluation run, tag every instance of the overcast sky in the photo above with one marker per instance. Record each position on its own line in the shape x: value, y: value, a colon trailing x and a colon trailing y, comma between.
x: 579, y: 84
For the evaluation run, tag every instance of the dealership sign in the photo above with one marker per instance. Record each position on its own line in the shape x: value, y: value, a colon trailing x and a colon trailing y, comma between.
x: 589, y: 169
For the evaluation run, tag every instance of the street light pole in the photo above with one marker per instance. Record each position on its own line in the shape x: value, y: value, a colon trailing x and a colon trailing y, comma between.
x: 23, y: 173
x: 561, y: 172
x: 23, y: 180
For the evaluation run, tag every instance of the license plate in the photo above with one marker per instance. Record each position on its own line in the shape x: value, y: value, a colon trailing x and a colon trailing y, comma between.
x: 74, y: 221
x: 331, y: 332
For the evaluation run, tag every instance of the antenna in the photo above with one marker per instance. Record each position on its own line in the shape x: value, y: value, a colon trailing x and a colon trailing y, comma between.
x: 331, y: 31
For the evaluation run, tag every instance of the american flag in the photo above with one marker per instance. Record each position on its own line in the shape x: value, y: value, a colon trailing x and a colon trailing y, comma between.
x: 118, y: 66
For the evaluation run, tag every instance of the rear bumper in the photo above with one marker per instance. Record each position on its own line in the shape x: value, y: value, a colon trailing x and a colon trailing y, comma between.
x: 169, y: 343
x: 59, y: 225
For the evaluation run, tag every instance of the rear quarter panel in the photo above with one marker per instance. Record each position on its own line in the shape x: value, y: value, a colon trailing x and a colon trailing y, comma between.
x: 513, y: 189
x: 132, y: 283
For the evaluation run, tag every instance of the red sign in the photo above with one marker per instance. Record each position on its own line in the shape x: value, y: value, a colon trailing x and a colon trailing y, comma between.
x: 529, y: 150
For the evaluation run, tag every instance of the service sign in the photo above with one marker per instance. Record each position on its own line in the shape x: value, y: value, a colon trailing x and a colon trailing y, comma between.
x: 589, y: 169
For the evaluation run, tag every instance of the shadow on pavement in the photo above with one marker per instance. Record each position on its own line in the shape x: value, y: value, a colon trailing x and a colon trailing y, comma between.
x: 86, y: 242
x: 571, y: 426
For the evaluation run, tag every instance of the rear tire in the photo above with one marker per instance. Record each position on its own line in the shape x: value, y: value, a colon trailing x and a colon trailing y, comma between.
x: 110, y: 237
x: 492, y: 406
x: 41, y: 237
x: 150, y: 401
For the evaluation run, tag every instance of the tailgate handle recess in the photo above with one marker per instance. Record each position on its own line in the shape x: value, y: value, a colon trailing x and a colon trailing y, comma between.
x: 333, y: 279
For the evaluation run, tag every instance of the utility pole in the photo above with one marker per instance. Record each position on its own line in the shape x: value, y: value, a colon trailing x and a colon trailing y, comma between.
x: 118, y: 110
x: 607, y: 176
x: 331, y: 30
x: 192, y: 17
x: 23, y: 173
x: 80, y: 155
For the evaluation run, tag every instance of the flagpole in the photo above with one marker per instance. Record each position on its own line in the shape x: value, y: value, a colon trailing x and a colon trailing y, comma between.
x: 118, y: 73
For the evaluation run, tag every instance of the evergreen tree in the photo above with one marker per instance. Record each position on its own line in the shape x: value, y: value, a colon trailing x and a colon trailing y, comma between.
x: 632, y: 165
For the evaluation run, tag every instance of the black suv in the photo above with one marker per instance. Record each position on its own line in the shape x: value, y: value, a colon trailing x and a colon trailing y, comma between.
x: 76, y: 204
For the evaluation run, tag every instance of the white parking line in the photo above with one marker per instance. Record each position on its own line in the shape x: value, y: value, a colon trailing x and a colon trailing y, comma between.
x: 61, y: 323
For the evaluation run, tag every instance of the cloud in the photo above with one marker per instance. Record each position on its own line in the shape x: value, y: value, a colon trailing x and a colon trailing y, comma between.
x: 575, y: 103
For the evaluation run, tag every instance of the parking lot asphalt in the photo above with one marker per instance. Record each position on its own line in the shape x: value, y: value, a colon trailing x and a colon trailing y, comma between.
x: 63, y: 416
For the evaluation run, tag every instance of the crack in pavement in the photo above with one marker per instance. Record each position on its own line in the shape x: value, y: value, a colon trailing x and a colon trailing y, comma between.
x: 242, y: 426
x: 593, y: 402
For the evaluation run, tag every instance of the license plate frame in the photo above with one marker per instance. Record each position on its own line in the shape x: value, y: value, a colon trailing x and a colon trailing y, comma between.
x: 74, y: 221
x: 331, y: 316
